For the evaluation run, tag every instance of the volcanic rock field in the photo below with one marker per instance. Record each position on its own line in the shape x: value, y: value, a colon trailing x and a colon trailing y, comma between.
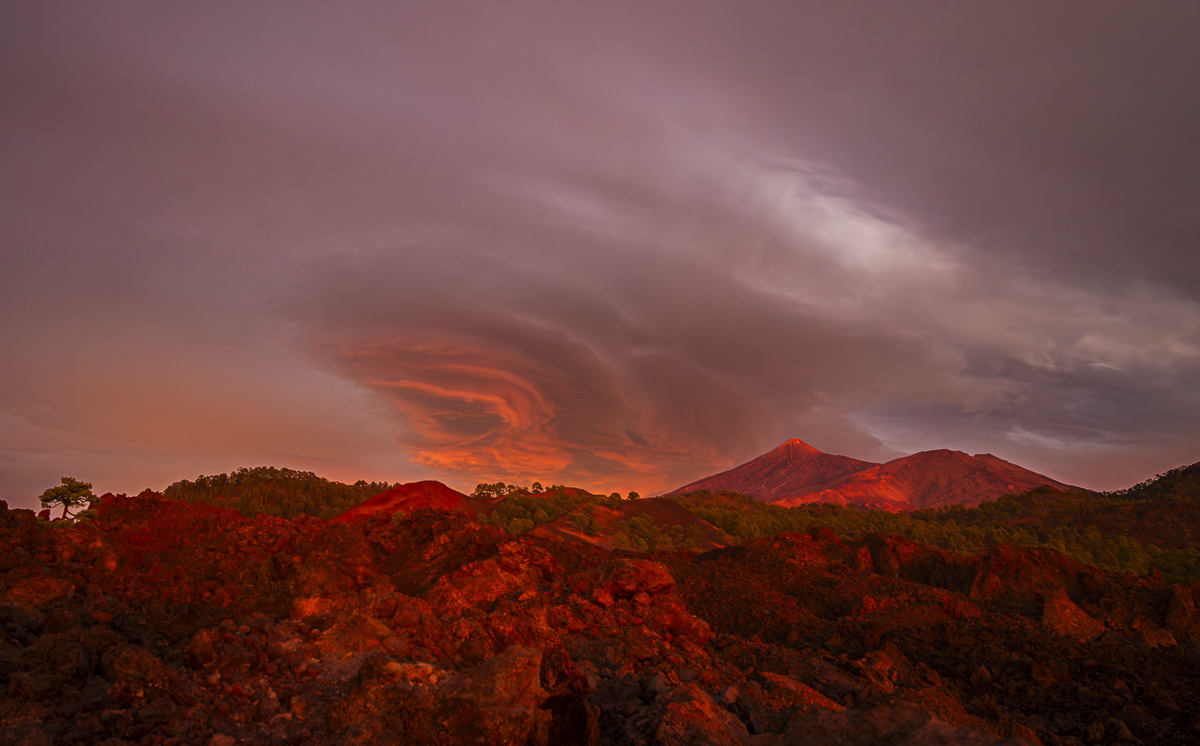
x: 161, y: 622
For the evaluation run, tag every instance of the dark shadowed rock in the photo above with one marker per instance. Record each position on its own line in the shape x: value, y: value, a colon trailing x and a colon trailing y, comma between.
x: 1182, y: 618
x: 137, y: 675
x: 1022, y: 579
x: 901, y: 725
x: 498, y: 702
x: 33, y: 686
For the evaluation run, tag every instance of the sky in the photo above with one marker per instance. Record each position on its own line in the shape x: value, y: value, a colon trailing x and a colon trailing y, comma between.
x: 618, y: 245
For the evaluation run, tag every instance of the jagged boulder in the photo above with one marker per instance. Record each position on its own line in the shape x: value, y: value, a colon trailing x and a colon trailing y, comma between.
x: 795, y: 694
x: 1182, y: 618
x: 629, y: 579
x: 1062, y: 616
x: 518, y: 567
x: 693, y: 717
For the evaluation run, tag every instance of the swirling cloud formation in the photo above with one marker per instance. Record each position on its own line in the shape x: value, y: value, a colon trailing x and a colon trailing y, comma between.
x: 604, y: 244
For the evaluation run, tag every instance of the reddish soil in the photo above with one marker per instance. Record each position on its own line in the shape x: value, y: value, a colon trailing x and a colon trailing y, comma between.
x: 170, y: 623
x: 408, y: 497
x: 797, y: 474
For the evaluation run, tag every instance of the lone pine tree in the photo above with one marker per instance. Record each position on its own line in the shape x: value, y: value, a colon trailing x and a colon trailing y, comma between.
x: 70, y: 494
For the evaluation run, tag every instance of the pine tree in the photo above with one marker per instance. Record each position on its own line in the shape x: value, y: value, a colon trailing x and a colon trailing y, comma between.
x: 70, y: 494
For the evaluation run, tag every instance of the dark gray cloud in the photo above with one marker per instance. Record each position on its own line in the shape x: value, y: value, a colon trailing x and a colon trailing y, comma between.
x: 609, y: 244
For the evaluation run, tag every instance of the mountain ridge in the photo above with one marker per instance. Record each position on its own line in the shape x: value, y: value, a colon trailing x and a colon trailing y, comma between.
x: 796, y: 473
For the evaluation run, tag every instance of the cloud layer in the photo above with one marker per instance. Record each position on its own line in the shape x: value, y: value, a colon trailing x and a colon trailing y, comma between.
x: 612, y: 246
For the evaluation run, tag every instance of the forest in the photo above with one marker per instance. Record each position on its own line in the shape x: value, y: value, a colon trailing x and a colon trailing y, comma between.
x: 524, y: 509
x: 1152, y: 525
x: 284, y: 493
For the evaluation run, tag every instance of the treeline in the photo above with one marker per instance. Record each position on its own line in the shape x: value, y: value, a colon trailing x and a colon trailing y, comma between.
x: 285, y: 493
x: 490, y: 491
x: 1153, y: 525
x: 639, y: 534
x: 523, y: 510
x: 1115, y: 531
x: 487, y: 491
x: 1181, y: 484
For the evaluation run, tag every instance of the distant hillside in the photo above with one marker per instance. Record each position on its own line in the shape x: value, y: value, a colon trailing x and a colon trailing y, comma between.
x: 284, y: 493
x: 407, y: 497
x: 522, y: 511
x: 795, y: 473
x: 1153, y: 526
x: 1181, y: 484
x: 648, y: 525
x: 930, y: 479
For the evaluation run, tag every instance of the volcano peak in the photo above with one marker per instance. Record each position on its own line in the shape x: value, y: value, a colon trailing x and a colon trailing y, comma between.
x: 796, y: 448
x: 793, y: 468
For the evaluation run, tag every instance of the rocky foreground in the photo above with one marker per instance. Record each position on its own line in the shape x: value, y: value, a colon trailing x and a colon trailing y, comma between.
x: 163, y: 622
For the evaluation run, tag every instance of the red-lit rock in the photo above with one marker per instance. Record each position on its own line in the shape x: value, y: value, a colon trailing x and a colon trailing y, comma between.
x: 624, y: 579
x: 162, y: 621
x: 693, y: 717
x: 1063, y: 617
x: 406, y: 498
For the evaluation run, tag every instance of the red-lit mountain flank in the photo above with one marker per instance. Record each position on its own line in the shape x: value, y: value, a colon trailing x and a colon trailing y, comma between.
x: 931, y: 479
x: 408, y: 497
x: 796, y: 473
x: 794, y: 468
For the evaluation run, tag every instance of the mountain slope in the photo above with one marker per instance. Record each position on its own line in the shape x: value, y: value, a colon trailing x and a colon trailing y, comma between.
x: 794, y: 468
x: 797, y: 474
x: 930, y: 479
x: 406, y: 497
